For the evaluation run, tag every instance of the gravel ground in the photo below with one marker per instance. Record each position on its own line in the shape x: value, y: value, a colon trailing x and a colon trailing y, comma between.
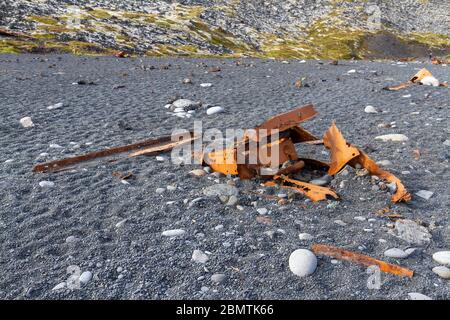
x: 80, y: 220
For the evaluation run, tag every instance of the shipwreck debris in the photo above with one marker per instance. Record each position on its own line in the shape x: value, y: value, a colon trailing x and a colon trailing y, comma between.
x: 341, y: 254
x: 276, y: 170
x: 423, y: 77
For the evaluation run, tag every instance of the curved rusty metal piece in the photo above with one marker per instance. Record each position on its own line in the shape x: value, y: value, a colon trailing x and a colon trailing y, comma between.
x: 315, y: 193
x: 341, y: 151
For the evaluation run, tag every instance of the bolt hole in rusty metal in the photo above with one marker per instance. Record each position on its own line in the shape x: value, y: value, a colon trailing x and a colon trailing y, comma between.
x: 287, y: 125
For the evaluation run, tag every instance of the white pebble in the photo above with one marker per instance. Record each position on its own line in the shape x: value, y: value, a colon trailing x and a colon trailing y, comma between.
x: 397, y: 253
x: 173, y: 233
x: 262, y: 211
x: 85, y: 277
x: 46, y: 184
x: 59, y: 286
x: 425, y: 194
x: 26, y: 122
x: 370, y: 109
x: 214, y: 110
x: 305, y: 236
x: 430, y: 81
x: 392, y: 137
x: 199, y: 257
x: 442, y: 257
x: 340, y: 222
x: 418, y: 296
x: 160, y: 158
x: 302, y: 262
x: 121, y: 223
x: 205, y: 85
x: 442, y: 272
x: 55, y: 106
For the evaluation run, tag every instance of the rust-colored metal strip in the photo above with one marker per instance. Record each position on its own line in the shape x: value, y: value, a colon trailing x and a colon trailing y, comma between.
x: 341, y: 254
x: 289, y: 119
x: 315, y: 193
x: 300, y: 135
x: 160, y: 148
x: 58, y: 164
x: 401, y: 194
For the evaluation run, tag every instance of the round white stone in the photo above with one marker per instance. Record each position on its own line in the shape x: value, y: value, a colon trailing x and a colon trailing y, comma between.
x: 305, y: 236
x: 442, y: 257
x: 396, y: 137
x: 85, y: 277
x: 199, y: 257
x: 214, y: 110
x: 442, y: 272
x: 418, y: 296
x: 396, y: 253
x: 26, y: 122
x: 430, y: 81
x: 46, y: 184
x: 302, y: 262
x: 370, y: 109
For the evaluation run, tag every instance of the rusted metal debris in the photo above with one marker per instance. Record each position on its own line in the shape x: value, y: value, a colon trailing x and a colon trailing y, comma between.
x: 416, y: 79
x: 341, y: 254
x: 279, y: 173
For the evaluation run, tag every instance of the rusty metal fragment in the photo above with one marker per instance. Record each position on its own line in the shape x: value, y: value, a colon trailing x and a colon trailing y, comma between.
x: 315, y: 193
x: 416, y: 79
x: 341, y: 254
x: 342, y: 153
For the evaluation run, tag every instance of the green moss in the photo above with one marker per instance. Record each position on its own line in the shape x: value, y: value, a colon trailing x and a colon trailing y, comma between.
x: 100, y: 14
x: 43, y: 19
x: 432, y: 40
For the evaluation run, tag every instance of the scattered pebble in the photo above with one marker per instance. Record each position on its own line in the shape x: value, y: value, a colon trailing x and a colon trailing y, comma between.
x: 447, y: 143
x: 340, y: 222
x: 59, y: 286
x: 398, y: 253
x: 442, y: 257
x: 46, y: 184
x: 418, y: 296
x: 26, y: 122
x: 411, y: 232
x: 199, y: 257
x: 160, y: 158
x: 305, y: 236
x: 384, y: 163
x: 392, y: 137
x: 262, y: 211
x: 173, y: 233
x: 121, y: 223
x: 56, y: 106
x: 85, y: 277
x: 370, y: 109
x: 218, y: 278
x: 71, y: 239
x: 302, y: 262
x: 198, y: 172
x: 424, y: 194
x: 55, y: 146
x: 442, y: 272
x: 205, y: 85
x: 214, y: 110
x: 322, y: 181
x: 360, y: 218
x: 430, y: 81
x: 160, y: 190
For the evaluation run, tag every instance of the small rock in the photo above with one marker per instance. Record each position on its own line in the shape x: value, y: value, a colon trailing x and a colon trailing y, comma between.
x: 173, y: 233
x: 360, y: 218
x: 411, y: 232
x: 302, y: 262
x: 199, y: 257
x: 442, y: 257
x: 121, y: 223
x: 184, y: 103
x: 425, y: 194
x: 218, y: 278
x: 26, y: 122
x: 447, y: 143
x: 398, y: 253
x: 222, y: 189
x: 384, y: 163
x: 232, y: 201
x: 340, y: 222
x: 187, y: 81
x: 71, y: 239
x: 418, y: 296
x: 305, y: 236
x: 392, y: 137
x: 198, y: 172
x: 59, y: 286
x: 326, y: 179
x: 56, y: 106
x: 85, y: 277
x: 55, y: 146
x: 442, y: 272
x: 351, y: 71
x: 205, y: 85
x: 430, y: 81
x: 262, y: 211
x: 214, y: 110
x: 171, y: 188
x: 46, y: 184
x: 160, y: 190
x: 370, y: 109
x: 160, y: 158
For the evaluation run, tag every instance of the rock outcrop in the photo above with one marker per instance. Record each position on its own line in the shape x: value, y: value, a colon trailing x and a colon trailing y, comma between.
x: 326, y: 29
